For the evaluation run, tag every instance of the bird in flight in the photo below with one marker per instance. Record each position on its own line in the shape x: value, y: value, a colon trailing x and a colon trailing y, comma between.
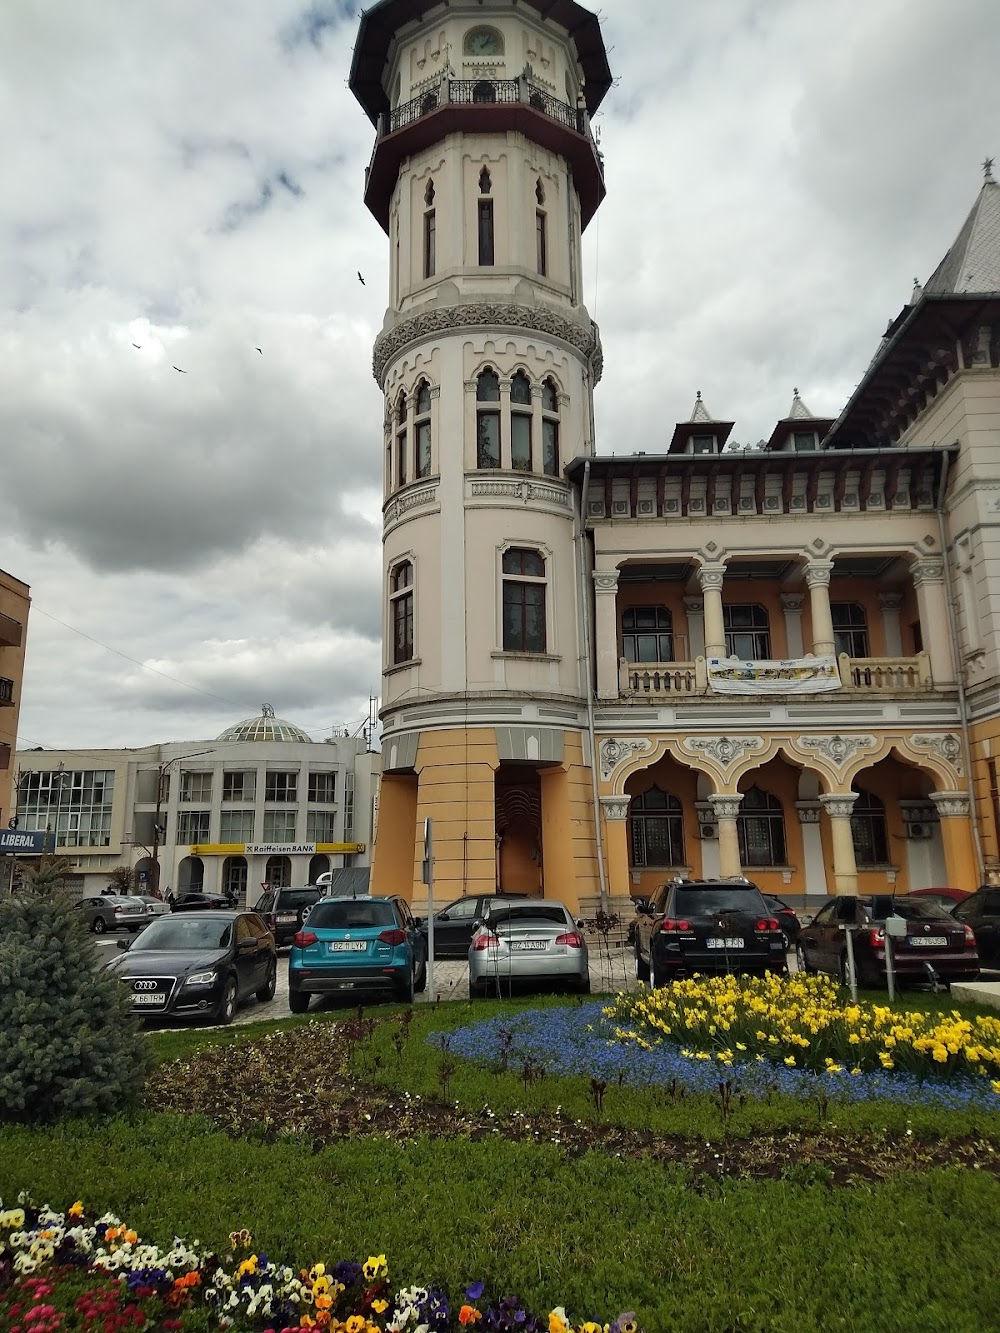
x: 179, y: 371
x: 258, y: 349
x: 139, y: 345
x: 362, y: 281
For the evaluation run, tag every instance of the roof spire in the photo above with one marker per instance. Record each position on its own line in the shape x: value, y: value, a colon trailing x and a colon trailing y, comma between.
x: 973, y: 262
x: 988, y: 170
x: 700, y: 412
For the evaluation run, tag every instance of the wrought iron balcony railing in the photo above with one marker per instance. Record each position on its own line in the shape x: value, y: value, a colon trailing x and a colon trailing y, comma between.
x: 482, y: 92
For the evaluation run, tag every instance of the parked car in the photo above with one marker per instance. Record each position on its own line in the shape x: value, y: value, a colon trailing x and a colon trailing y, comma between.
x: 528, y: 942
x: 933, y: 937
x: 283, y: 909
x: 981, y: 912
x: 706, y: 925
x: 195, y: 902
x: 112, y: 911
x: 454, y: 925
x: 200, y: 964
x: 946, y: 898
x: 356, y: 945
x: 788, y: 919
x: 153, y: 906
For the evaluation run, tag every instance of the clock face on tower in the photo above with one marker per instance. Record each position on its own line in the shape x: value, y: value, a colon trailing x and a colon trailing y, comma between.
x: 483, y: 42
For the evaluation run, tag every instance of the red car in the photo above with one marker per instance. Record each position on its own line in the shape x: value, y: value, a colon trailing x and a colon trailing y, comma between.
x: 946, y: 898
x: 935, y: 944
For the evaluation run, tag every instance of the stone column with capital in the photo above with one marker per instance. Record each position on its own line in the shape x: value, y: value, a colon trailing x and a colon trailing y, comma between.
x: 932, y: 605
x: 615, y: 812
x: 961, y: 862
x: 726, y: 808
x: 791, y: 603
x: 818, y: 578
x: 710, y: 578
x: 606, y: 633
x: 845, y: 866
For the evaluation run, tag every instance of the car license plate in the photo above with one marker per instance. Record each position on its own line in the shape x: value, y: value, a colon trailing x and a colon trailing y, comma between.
x: 149, y: 999
x: 928, y: 941
x: 348, y: 946
x: 527, y: 944
x: 286, y: 918
x: 730, y: 942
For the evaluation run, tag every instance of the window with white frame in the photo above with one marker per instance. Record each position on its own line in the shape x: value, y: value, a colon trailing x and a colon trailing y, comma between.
x: 550, y: 428
x: 349, y: 806
x: 239, y: 785
x: 401, y: 611
x: 401, y: 440
x: 236, y: 826
x: 748, y: 633
x: 422, y: 430
x: 523, y: 601
x: 323, y: 786
x: 279, y: 825
x: 488, y: 419
x: 647, y: 634
x: 850, y: 628
x: 320, y: 826
x: 280, y: 786
x: 520, y: 423
x: 196, y: 786
x: 193, y: 826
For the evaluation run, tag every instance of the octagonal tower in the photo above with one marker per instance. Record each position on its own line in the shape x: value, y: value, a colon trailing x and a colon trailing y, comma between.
x: 483, y: 176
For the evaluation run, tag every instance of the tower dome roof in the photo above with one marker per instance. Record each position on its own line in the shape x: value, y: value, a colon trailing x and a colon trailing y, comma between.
x: 265, y: 727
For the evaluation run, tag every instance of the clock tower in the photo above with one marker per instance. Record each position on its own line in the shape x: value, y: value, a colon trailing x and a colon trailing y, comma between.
x: 483, y: 176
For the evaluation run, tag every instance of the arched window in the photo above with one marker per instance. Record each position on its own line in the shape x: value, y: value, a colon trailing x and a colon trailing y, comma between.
x: 760, y: 829
x: 748, y: 635
x: 656, y: 825
x: 422, y: 430
x: 850, y: 628
x: 488, y: 419
x: 647, y: 634
x: 520, y: 423
x: 401, y: 444
x: 523, y: 601
x: 485, y: 220
x: 430, y: 232
x: 401, y: 611
x: 550, y: 429
x: 868, y: 831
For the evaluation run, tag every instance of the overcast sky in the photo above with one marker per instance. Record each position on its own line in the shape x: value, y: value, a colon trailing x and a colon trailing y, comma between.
x: 188, y: 176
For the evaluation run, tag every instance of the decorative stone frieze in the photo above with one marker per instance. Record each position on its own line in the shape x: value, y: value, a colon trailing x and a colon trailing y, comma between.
x: 615, y: 808
x: 478, y: 314
x: 839, y: 750
x: 605, y: 582
x: 818, y: 573
x: 726, y: 806
x: 402, y: 504
x: 945, y: 744
x: 927, y: 571
x: 522, y: 490
x: 615, y: 752
x: 725, y: 750
x: 951, y: 804
x: 839, y: 805
x: 809, y: 811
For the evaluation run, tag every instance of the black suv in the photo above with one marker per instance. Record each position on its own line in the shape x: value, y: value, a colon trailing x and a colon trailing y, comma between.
x: 284, y: 910
x: 706, y: 925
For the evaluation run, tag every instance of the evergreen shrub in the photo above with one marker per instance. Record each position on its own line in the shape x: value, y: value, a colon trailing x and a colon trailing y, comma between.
x: 69, y: 1042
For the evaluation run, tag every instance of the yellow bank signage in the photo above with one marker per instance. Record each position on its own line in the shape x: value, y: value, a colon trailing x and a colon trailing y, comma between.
x: 275, y: 848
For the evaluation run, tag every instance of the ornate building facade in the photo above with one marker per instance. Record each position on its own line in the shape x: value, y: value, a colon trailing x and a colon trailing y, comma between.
x: 599, y: 671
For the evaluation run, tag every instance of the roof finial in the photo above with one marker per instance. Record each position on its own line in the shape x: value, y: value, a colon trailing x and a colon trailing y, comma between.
x: 267, y: 711
x: 988, y: 170
x: 795, y: 393
x: 698, y: 396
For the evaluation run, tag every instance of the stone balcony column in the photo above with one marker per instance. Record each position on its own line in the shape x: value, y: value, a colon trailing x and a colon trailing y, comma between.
x: 606, y: 632
x: 726, y: 808
x: 710, y: 578
x: 615, y: 811
x: 891, y: 602
x: 961, y: 863
x: 694, y: 607
x: 818, y: 578
x: 791, y: 603
x: 845, y: 866
x: 935, y: 625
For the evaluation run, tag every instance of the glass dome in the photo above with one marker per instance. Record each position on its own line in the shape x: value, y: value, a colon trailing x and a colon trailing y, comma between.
x: 266, y: 727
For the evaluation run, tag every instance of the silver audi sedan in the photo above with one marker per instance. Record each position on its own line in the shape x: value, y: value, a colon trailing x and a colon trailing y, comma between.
x: 527, y: 943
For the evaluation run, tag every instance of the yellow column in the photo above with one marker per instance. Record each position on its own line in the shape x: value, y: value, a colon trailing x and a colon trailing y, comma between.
x: 606, y: 632
x: 710, y: 578
x: 961, y: 862
x: 558, y: 871
x: 818, y: 578
x: 845, y: 867
x: 395, y: 837
x: 457, y: 789
x: 726, y: 808
x: 615, y: 812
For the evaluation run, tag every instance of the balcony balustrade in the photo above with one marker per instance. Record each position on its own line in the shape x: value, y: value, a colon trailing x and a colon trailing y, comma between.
x: 859, y: 675
x: 482, y: 92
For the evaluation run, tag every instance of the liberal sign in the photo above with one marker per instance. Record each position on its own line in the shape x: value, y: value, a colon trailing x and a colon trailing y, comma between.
x: 13, y: 840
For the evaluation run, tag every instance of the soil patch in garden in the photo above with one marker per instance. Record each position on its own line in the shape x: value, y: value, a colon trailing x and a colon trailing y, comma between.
x: 298, y: 1082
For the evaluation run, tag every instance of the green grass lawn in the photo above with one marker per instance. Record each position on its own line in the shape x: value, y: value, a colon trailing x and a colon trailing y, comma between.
x: 595, y: 1231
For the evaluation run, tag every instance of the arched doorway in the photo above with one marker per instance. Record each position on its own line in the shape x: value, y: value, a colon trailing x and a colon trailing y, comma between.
x: 318, y: 865
x: 191, y: 875
x: 518, y: 812
x: 234, y: 877
x: 279, y: 871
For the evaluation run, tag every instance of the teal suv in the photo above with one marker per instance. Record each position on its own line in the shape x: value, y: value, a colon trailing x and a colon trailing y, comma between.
x: 352, y: 946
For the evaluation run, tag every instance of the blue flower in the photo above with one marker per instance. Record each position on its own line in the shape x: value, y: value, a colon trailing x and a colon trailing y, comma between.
x: 474, y: 1291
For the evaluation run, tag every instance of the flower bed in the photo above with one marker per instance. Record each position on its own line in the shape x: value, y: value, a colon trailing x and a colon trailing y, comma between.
x: 687, y: 1033
x: 61, y: 1272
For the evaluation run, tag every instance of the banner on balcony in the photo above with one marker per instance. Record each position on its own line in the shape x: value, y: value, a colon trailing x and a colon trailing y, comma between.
x: 794, y: 675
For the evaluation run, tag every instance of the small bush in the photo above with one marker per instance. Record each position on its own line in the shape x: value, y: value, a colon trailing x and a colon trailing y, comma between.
x: 69, y: 1043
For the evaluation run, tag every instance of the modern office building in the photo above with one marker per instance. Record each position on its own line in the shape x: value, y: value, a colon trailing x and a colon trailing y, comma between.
x: 599, y: 672
x: 263, y: 803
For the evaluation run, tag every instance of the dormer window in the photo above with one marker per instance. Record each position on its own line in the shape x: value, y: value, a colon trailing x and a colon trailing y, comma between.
x: 704, y: 444
x: 803, y: 441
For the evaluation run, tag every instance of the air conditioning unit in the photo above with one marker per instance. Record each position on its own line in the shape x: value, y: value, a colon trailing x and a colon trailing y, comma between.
x: 918, y: 831
x: 709, y: 831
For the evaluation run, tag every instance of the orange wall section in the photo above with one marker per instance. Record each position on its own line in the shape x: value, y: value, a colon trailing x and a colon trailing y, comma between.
x: 392, y: 855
